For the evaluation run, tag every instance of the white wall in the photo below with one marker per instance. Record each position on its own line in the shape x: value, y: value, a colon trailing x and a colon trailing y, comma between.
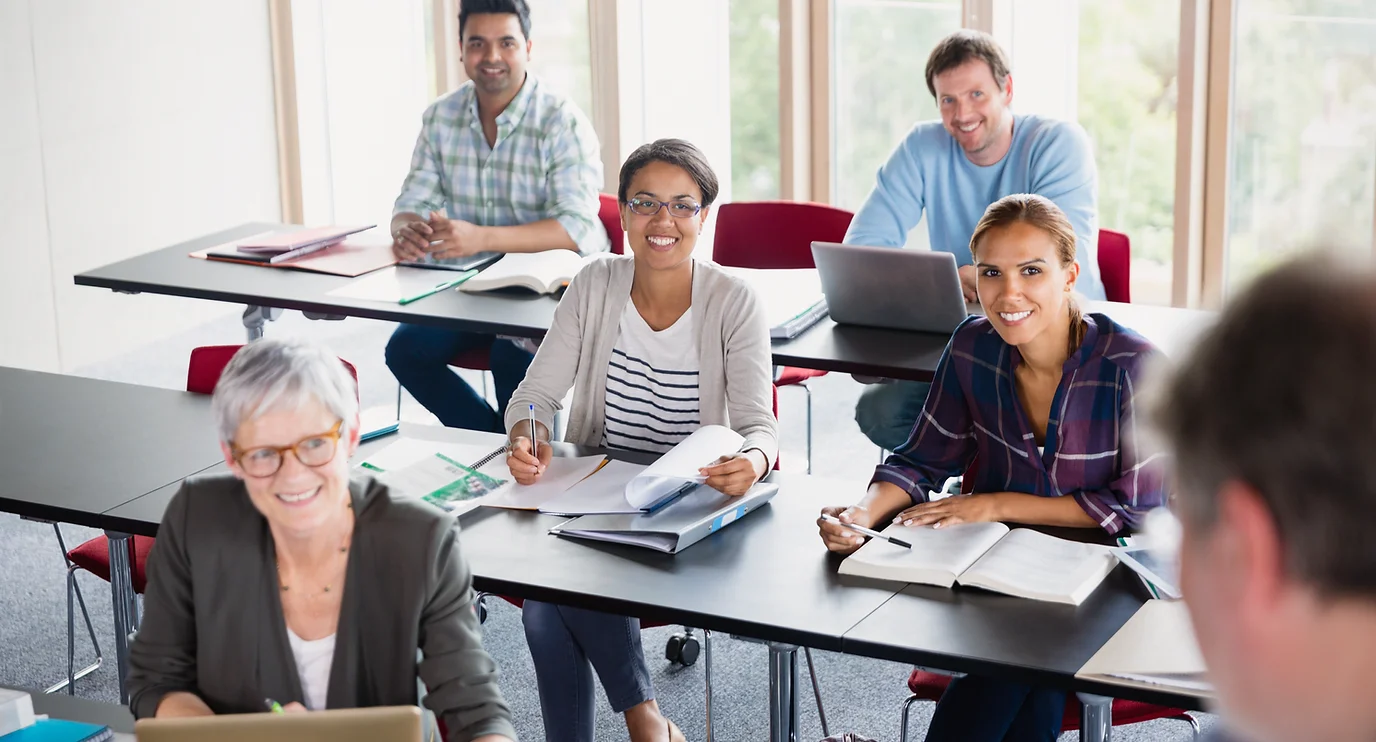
x: 363, y: 81
x: 28, y: 336
x: 136, y: 125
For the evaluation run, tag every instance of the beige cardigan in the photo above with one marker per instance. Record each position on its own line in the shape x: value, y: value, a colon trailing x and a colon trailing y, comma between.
x: 734, y: 375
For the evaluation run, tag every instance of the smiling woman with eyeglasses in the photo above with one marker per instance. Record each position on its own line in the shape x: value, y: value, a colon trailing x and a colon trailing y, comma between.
x: 654, y: 345
x: 285, y: 579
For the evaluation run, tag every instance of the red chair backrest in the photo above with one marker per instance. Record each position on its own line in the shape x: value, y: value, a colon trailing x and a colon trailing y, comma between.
x: 609, y: 211
x: 1115, y: 265
x: 775, y: 234
x: 209, y: 361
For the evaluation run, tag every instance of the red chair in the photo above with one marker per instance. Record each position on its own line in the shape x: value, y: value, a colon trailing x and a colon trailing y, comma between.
x: 1115, y: 265
x: 203, y: 372
x: 609, y: 213
x: 778, y: 234
x: 929, y: 686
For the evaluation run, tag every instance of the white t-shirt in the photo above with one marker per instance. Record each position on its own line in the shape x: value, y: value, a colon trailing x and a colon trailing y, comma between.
x: 652, y: 384
x: 313, y: 660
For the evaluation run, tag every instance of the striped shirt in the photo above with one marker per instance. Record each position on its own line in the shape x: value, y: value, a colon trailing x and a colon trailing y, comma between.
x: 1090, y: 453
x: 652, y: 384
x: 546, y: 164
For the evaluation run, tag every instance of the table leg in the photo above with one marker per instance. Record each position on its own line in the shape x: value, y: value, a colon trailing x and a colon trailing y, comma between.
x: 255, y: 317
x: 122, y: 600
x: 783, y: 692
x: 1096, y: 717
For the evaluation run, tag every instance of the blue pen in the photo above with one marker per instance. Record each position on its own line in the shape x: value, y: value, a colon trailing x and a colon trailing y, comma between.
x: 534, y: 442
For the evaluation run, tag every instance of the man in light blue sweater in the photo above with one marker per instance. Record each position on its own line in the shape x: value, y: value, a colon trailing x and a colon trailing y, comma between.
x: 951, y: 170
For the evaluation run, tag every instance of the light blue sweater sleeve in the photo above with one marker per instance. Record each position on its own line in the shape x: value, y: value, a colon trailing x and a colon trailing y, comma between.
x: 1062, y: 169
x: 895, y: 205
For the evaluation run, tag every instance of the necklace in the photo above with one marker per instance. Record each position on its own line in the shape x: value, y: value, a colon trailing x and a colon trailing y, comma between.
x: 277, y: 565
x: 285, y: 587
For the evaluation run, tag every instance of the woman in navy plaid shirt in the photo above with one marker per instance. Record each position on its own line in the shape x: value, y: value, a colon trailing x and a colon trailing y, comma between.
x: 1043, y: 397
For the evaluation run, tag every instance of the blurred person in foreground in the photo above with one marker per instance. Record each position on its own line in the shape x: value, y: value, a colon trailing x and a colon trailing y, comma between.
x: 1272, y: 423
x: 286, y: 579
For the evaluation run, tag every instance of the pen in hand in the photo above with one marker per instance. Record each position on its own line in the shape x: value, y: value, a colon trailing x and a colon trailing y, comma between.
x: 866, y: 531
x: 273, y: 706
x: 534, y: 441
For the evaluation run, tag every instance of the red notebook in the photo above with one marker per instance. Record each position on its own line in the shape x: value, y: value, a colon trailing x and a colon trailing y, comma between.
x: 275, y: 242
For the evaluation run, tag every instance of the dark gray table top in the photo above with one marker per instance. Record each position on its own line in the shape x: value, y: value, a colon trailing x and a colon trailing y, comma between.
x: 768, y: 577
x: 980, y: 632
x: 765, y: 577
x: 863, y: 350
x: 169, y: 271
x: 71, y: 447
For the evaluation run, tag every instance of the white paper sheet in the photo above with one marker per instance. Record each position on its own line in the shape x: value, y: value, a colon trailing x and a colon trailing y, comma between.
x: 603, y: 492
x: 392, y: 284
x: 680, y: 464
x: 561, y: 474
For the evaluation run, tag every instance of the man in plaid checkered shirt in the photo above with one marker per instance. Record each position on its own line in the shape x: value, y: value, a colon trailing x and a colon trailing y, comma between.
x: 503, y: 164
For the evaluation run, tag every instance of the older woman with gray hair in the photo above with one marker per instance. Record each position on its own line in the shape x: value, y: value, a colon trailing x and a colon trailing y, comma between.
x: 285, y: 579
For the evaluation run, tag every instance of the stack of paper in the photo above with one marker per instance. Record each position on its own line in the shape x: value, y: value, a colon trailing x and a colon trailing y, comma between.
x: 1156, y: 649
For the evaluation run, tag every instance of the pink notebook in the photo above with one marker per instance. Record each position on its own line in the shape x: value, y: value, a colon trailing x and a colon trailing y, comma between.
x: 287, y: 241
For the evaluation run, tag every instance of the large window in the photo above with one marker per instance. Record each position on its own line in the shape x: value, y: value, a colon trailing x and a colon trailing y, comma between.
x: 1126, y: 100
x: 879, y: 53
x: 561, y: 54
x: 754, y: 51
x: 1303, y: 152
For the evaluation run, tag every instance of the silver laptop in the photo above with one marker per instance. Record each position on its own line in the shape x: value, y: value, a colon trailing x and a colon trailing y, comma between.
x: 400, y: 723
x: 891, y: 287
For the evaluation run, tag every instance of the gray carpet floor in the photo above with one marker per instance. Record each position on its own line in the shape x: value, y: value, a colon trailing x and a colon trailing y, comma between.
x: 860, y: 695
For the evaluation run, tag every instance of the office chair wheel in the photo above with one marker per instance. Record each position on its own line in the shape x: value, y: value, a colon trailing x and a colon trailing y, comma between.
x: 682, y: 649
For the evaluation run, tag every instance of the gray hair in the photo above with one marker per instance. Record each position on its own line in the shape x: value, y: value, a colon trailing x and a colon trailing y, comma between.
x: 271, y: 375
x: 1278, y: 395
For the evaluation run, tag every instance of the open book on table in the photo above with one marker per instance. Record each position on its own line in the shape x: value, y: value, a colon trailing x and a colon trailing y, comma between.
x: 621, y: 487
x: 1018, y: 561
x: 1155, y: 649
x: 542, y: 272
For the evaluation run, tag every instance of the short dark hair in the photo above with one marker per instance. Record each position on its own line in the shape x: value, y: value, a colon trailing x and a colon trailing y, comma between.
x: 1278, y: 395
x: 675, y: 152
x: 518, y: 8
x: 961, y: 47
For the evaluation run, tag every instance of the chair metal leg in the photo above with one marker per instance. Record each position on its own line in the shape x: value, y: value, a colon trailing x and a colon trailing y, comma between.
x: 73, y: 588
x: 808, y: 391
x: 903, y: 719
x: 816, y: 691
x: 1096, y: 717
x: 1194, y: 725
x: 707, y: 673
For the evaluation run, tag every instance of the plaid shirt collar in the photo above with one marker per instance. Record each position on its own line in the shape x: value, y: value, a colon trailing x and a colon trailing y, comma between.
x: 511, y: 115
x: 1077, y: 359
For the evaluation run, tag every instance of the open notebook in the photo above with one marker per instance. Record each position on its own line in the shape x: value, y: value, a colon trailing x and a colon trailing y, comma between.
x: 542, y: 272
x: 1155, y: 649
x: 621, y: 487
x: 1019, y: 562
